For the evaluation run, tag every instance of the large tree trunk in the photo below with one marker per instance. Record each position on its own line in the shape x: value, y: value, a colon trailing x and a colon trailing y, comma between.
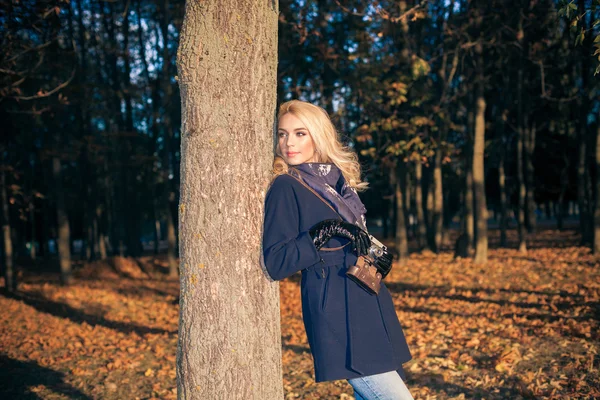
x: 229, y: 343
x: 64, y: 234
x: 9, y: 273
x: 481, y: 243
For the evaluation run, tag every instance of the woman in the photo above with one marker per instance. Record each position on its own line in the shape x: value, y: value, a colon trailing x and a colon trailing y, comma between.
x: 314, y: 223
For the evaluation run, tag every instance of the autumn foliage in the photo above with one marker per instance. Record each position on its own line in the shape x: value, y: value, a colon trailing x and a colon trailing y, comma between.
x: 521, y: 327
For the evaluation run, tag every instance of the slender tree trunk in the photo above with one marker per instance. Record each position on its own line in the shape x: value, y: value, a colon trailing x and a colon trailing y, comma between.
x: 503, y: 199
x: 167, y: 90
x: 401, y: 237
x: 581, y: 192
x: 153, y: 122
x: 33, y: 251
x: 520, y: 144
x: 408, y: 190
x: 521, y: 196
x: 585, y: 207
x: 45, y: 216
x: 469, y: 204
x: 229, y: 344
x: 421, y: 227
x: 130, y: 187
x: 596, y: 247
x: 111, y: 231
x: 481, y: 244
x: 560, y: 210
x: 530, y: 176
x: 119, y: 146
x: 101, y: 236
x: 469, y: 217
x: 157, y: 235
x: 95, y: 243
x: 9, y: 274
x: 171, y: 244
x: 429, y: 209
x: 438, y: 206
x: 64, y: 234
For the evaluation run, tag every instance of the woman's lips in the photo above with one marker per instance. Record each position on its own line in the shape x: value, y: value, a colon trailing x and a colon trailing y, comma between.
x: 291, y: 154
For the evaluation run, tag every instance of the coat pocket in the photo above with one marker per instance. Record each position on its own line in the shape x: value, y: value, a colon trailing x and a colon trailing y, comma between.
x: 324, y: 286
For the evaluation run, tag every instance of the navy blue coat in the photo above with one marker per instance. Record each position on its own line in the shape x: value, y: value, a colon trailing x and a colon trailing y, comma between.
x: 351, y: 333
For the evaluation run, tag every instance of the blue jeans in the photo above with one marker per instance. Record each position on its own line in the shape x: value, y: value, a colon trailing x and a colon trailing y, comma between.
x: 385, y: 386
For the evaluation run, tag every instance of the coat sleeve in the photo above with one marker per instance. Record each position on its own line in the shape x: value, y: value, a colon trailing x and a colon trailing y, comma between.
x: 286, y: 250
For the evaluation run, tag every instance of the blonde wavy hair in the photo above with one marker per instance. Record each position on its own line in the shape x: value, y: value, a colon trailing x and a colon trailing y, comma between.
x: 328, y: 147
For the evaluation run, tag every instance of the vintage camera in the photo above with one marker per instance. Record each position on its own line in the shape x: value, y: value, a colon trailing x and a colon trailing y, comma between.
x: 380, y: 257
x: 371, y: 268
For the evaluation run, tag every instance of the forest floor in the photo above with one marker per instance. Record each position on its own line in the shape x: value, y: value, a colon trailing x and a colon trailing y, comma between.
x: 522, y: 327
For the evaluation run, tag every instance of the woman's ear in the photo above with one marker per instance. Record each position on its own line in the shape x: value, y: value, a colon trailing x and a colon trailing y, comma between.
x: 279, y: 165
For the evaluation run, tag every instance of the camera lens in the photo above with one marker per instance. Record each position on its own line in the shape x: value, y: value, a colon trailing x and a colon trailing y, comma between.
x: 375, y: 252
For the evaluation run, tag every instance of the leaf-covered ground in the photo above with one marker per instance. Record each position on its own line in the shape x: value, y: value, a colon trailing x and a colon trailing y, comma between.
x: 523, y: 326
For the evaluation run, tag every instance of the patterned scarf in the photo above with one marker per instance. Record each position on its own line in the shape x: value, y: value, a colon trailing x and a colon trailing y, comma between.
x: 328, y: 181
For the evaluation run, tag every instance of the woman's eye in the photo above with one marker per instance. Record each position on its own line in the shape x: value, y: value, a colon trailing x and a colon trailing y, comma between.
x: 281, y: 134
x: 301, y: 133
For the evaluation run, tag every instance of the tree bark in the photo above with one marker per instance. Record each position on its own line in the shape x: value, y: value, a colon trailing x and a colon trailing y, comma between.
x: 64, y: 234
x: 229, y: 344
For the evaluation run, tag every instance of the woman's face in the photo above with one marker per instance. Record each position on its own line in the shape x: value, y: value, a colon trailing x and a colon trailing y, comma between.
x: 295, y: 142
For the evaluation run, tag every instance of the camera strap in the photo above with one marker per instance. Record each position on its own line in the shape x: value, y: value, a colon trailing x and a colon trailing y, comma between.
x: 328, y: 205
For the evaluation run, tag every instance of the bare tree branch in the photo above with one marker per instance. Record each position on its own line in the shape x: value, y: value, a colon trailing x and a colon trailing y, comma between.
x: 41, y: 94
x: 543, y: 83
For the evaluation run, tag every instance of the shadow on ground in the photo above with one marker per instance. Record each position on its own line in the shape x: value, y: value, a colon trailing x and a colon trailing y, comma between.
x: 19, y: 379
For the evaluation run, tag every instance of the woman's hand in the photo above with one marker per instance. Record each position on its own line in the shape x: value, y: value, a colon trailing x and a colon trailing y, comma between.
x: 325, y: 230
